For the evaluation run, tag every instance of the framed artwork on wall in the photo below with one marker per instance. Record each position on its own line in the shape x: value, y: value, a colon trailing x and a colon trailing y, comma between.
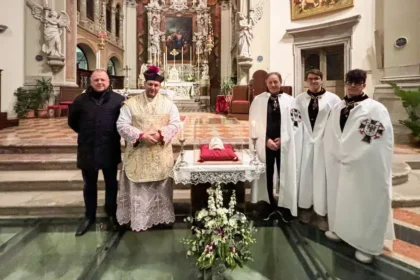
x: 307, y: 8
x: 179, y: 36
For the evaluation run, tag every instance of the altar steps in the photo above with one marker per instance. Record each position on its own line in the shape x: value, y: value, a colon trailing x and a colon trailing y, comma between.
x: 69, y: 204
x: 192, y: 106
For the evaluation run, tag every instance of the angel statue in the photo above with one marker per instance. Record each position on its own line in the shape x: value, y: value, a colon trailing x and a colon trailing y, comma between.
x: 245, y: 27
x: 53, y: 28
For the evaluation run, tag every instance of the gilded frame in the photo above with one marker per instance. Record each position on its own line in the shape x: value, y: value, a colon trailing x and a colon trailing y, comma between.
x: 324, y: 6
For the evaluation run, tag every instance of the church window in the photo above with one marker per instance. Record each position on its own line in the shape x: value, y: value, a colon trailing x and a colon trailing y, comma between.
x: 81, y: 59
x: 90, y: 9
x: 110, y: 69
x: 117, y: 22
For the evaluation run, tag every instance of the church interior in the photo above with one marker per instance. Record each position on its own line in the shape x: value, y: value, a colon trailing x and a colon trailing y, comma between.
x: 215, y: 56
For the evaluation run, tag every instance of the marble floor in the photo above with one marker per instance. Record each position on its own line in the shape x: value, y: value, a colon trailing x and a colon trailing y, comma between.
x: 47, y: 249
x: 55, y: 131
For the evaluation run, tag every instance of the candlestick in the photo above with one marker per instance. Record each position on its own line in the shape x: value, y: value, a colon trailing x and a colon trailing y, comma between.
x: 253, y: 129
x: 190, y: 55
x: 254, y: 160
x: 182, y: 162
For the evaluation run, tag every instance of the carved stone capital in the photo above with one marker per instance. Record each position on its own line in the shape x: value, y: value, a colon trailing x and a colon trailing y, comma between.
x: 131, y: 3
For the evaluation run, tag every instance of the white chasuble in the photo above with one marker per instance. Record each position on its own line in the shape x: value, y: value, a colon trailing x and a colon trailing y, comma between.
x: 291, y: 129
x: 312, y: 189
x: 359, y: 175
x: 145, y: 196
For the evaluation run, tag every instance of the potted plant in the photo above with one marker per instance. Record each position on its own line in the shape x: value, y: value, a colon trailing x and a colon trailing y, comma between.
x: 410, y: 101
x: 226, y: 86
x: 26, y: 103
x: 43, y: 90
x: 222, y: 237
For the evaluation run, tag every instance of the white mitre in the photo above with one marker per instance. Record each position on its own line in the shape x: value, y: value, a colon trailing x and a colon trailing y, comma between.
x: 216, y: 143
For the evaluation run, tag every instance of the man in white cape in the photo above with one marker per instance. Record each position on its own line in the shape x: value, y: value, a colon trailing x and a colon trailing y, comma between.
x: 359, y: 137
x: 281, y: 146
x: 147, y: 122
x: 315, y: 106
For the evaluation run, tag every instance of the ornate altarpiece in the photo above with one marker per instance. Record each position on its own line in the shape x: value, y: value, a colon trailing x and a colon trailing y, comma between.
x: 152, y: 25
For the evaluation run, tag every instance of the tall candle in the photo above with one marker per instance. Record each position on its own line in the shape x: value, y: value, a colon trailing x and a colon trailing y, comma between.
x: 190, y: 55
x: 158, y: 61
x: 182, y: 60
x: 253, y: 130
x: 181, y: 132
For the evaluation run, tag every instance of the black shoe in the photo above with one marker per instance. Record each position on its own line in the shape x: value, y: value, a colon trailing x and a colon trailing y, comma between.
x: 285, y: 215
x: 113, y: 223
x: 84, y: 226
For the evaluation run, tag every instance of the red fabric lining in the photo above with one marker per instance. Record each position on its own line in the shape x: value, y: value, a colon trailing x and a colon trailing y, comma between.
x: 228, y: 154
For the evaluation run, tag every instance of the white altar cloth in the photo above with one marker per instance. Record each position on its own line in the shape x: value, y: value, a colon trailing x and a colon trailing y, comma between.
x: 209, y: 173
x: 183, y: 90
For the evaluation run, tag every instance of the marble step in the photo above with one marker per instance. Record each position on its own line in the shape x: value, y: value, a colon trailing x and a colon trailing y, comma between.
x: 69, y: 204
x: 22, y: 162
x: 32, y: 148
x: 17, y: 162
x: 48, y: 180
x: 408, y: 193
x: 66, y: 204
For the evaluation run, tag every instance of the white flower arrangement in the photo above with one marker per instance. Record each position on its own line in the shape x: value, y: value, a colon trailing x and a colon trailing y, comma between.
x: 220, y: 235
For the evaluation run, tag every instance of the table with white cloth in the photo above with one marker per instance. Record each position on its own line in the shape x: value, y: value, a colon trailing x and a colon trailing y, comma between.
x: 183, y: 90
x: 202, y: 176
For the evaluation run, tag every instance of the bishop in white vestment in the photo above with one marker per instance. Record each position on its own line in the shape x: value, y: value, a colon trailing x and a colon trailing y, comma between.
x: 277, y: 124
x: 359, y: 137
x: 147, y: 122
x: 315, y: 106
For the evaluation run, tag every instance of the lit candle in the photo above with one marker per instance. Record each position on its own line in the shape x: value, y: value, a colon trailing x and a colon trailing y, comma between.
x: 253, y: 130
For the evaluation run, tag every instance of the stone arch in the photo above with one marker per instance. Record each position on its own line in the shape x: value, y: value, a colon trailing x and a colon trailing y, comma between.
x: 89, y: 52
x: 117, y: 60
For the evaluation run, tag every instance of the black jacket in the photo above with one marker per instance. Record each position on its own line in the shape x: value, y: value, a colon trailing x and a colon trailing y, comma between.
x: 98, y: 141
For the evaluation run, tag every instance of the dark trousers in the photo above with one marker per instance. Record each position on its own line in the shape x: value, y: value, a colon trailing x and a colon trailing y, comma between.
x: 271, y: 157
x: 90, y: 191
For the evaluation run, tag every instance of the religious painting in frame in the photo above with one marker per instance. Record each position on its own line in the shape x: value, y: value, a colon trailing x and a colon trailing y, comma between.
x: 179, y: 37
x: 307, y: 8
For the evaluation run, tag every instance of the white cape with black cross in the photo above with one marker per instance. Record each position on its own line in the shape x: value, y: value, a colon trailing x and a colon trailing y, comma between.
x: 359, y: 175
x: 291, y: 132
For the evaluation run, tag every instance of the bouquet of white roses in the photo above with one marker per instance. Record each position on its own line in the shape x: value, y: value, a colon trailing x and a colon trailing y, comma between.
x: 220, y: 235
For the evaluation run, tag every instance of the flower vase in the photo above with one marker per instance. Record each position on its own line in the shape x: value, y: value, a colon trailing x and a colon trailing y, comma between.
x: 214, y: 273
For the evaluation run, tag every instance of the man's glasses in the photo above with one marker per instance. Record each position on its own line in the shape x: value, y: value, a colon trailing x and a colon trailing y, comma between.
x: 348, y: 83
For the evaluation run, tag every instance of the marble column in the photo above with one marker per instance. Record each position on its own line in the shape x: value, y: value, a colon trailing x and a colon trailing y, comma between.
x: 83, y: 11
x: 120, y: 40
x: 130, y: 40
x: 244, y: 63
x: 97, y: 15
x: 113, y: 23
x: 401, y: 65
x: 226, y: 40
x: 71, y: 42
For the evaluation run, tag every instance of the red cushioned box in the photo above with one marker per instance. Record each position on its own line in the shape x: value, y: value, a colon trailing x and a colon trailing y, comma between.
x: 228, y: 154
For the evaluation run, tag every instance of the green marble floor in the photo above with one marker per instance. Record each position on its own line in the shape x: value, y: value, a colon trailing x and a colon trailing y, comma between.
x: 48, y: 249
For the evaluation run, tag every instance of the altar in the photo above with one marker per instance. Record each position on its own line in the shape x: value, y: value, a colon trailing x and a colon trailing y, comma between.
x: 234, y: 176
x: 182, y: 90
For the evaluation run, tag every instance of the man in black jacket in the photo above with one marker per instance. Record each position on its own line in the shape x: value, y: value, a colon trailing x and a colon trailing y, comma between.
x: 93, y: 117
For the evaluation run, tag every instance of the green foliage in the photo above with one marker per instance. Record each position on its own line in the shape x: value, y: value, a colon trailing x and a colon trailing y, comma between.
x: 26, y: 100
x: 221, y: 237
x: 44, y: 91
x: 227, y: 85
x: 34, y: 98
x: 410, y: 101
